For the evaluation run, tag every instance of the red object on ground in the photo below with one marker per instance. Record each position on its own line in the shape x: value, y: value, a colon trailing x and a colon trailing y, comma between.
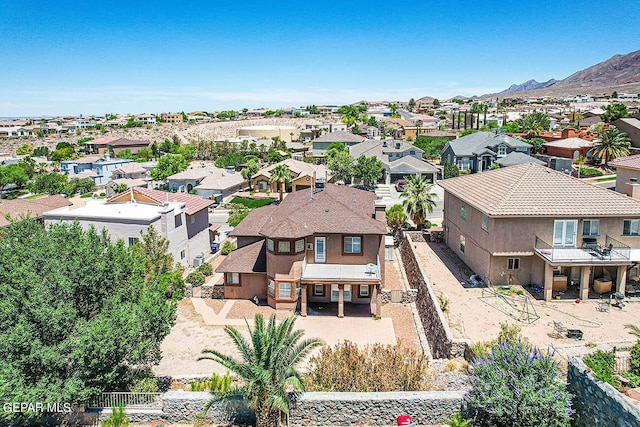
x: 404, y: 420
x: 577, y: 300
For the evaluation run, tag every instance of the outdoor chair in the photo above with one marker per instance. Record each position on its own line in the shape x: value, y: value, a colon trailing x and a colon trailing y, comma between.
x: 606, y: 252
x: 559, y: 330
x: 603, y: 305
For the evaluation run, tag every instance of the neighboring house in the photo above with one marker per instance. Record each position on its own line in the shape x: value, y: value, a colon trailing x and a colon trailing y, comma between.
x: 627, y: 170
x: 182, y: 219
x: 101, y: 167
x: 570, y: 148
x: 320, y: 145
x: 98, y: 145
x: 82, y: 123
x: 206, y: 180
x: 369, y: 132
x: 305, y: 175
x: 110, y: 144
x: 478, y: 151
x: 399, y: 158
x: 15, y: 131
x: 146, y: 119
x: 631, y: 127
x: 528, y: 224
x: 310, y: 250
x: 517, y: 158
x: 172, y: 117
x: 131, y: 174
x: 18, y: 208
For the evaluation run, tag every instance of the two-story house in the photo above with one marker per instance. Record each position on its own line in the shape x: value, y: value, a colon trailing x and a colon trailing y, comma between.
x: 399, y: 158
x: 99, y: 167
x: 320, y: 145
x: 182, y: 219
x: 478, y: 151
x: 206, y: 180
x: 310, y: 249
x: 528, y: 224
x: 305, y: 175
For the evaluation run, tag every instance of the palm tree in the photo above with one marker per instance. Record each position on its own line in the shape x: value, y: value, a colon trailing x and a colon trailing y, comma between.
x: 634, y: 330
x: 396, y: 219
x: 418, y: 199
x: 534, y: 124
x: 281, y: 174
x: 613, y: 144
x: 267, y: 366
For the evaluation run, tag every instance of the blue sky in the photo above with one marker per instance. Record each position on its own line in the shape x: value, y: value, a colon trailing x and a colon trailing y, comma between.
x: 70, y: 58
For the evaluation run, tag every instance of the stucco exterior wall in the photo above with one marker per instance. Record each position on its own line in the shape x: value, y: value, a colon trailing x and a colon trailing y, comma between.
x: 250, y: 286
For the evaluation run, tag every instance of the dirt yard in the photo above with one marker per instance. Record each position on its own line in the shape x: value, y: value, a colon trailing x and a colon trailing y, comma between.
x: 476, y: 314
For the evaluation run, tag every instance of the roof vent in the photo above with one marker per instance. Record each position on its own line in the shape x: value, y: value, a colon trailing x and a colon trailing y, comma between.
x: 384, y: 143
x: 397, y: 145
x: 326, y: 210
x: 633, y: 179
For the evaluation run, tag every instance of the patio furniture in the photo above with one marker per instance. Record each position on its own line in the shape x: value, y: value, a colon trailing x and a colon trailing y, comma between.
x: 590, y: 243
x: 618, y: 297
x: 602, y: 285
x: 603, y: 305
x: 559, y: 330
x: 605, y: 252
x: 574, y: 333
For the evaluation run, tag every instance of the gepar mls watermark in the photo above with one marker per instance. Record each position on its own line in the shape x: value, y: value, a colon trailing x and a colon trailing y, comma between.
x: 41, y: 407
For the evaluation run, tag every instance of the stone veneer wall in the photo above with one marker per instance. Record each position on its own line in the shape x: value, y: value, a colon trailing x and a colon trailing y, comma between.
x: 596, y: 402
x: 311, y: 409
x: 212, y: 291
x: 441, y: 341
x: 408, y: 296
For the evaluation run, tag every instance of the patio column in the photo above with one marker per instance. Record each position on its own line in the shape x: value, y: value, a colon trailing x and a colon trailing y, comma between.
x: 548, y: 282
x: 374, y: 301
x: 584, y: 282
x: 341, y: 300
x: 303, y: 300
x: 621, y: 282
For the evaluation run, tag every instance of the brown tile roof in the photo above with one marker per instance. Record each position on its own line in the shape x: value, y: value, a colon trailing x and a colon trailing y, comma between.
x: 102, y: 141
x: 193, y: 203
x: 33, y: 207
x: 534, y: 190
x: 629, y: 162
x: 339, y: 136
x: 124, y: 142
x: 247, y: 259
x: 337, y: 209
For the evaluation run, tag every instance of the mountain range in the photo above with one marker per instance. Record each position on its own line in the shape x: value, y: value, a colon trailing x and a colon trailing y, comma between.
x: 620, y: 73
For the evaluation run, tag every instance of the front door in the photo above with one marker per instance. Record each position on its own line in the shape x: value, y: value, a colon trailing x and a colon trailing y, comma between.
x: 335, y: 293
x: 321, y: 250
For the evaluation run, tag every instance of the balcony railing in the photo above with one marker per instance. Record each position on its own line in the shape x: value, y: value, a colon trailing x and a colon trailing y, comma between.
x: 128, y: 400
x: 613, y: 251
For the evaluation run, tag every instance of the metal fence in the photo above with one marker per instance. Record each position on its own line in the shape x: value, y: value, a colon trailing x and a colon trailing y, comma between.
x: 128, y: 400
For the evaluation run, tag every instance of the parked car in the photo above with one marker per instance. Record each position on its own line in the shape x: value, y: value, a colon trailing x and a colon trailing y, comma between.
x: 400, y: 186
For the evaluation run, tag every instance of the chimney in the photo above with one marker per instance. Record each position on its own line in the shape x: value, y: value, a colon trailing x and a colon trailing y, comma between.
x: 632, y: 188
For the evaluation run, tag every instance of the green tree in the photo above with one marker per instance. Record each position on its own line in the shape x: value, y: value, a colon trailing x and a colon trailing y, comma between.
x: 119, y: 188
x: 48, y: 182
x: 168, y: 165
x: 40, y: 152
x: 431, y: 146
x: 614, y: 95
x: 154, y: 249
x: 536, y: 144
x: 251, y: 169
x: 24, y: 149
x: 281, y: 175
x: 396, y: 220
x: 237, y: 212
x: 334, y: 148
x: 534, y: 124
x: 436, y: 102
x: 76, y: 320
x: 341, y: 165
x: 80, y: 185
x: 450, y: 171
x: 125, y: 154
x: 12, y: 174
x: 613, y: 112
x: 231, y: 159
x: 418, y: 199
x: 188, y: 151
x: 144, y: 154
x: 267, y: 365
x: 62, y: 154
x: 368, y: 169
x: 512, y: 127
x: 612, y: 144
x: 411, y: 104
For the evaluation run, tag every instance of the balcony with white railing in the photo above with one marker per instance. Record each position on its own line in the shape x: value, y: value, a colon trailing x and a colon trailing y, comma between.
x: 613, y: 252
x: 340, y: 273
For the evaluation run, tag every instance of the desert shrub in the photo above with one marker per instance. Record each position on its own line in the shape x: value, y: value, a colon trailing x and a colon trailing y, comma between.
x: 602, y: 364
x: 589, y: 172
x: 195, y: 278
x: 376, y: 367
x: 508, y: 334
x: 227, y: 248
x: 444, y: 302
x: 117, y: 418
x: 216, y: 383
x: 634, y: 364
x: 517, y: 385
x: 457, y: 420
x: 145, y: 385
x: 206, y: 269
x: 455, y: 365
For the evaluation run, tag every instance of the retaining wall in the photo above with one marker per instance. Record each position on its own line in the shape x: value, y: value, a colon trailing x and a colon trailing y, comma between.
x: 441, y: 341
x: 598, y: 403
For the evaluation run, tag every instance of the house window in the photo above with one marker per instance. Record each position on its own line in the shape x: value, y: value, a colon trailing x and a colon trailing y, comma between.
x: 590, y: 227
x: 462, y: 242
x: 284, y: 247
x: 513, y: 264
x: 284, y: 290
x: 270, y: 245
x: 364, y: 291
x: 133, y: 241
x: 352, y: 245
x: 318, y: 290
x: 463, y: 211
x: 631, y: 227
x: 564, y: 232
x: 182, y: 254
x: 412, y: 152
x: 233, y: 278
x: 178, y: 220
x: 193, y: 219
x: 299, y: 245
x: 272, y: 288
x: 502, y: 150
x: 485, y: 222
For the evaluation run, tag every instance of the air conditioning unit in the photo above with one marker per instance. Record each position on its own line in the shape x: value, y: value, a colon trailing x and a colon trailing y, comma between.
x: 198, y: 261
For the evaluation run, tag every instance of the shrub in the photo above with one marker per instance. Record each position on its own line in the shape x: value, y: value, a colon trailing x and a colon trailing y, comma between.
x: 517, y: 385
x: 195, y: 278
x: 216, y: 383
x: 117, y: 418
x: 457, y: 421
x: 602, y: 365
x: 374, y: 368
x: 205, y: 269
x: 227, y: 248
x: 145, y: 385
x: 589, y: 172
x: 508, y: 334
x: 634, y: 364
x: 444, y: 302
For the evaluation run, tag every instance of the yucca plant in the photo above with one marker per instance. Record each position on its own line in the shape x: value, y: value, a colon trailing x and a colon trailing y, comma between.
x: 117, y: 418
x: 457, y: 421
x: 216, y: 383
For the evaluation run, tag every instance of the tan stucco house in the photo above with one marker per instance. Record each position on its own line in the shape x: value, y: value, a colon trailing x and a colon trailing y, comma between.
x: 310, y: 250
x: 527, y: 224
x: 304, y: 176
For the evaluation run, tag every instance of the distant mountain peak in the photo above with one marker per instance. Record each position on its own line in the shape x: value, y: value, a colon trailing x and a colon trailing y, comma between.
x: 528, y: 85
